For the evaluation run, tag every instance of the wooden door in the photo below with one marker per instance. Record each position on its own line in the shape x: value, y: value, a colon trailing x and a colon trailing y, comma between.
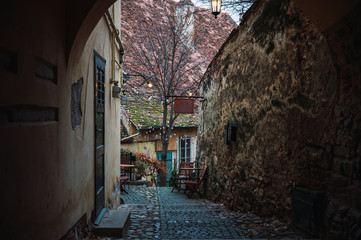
x: 169, y: 165
x: 99, y: 132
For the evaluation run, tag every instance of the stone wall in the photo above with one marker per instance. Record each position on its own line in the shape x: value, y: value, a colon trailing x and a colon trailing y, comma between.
x: 294, y: 94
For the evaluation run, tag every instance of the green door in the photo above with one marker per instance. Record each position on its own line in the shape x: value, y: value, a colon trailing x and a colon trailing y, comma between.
x: 169, y: 165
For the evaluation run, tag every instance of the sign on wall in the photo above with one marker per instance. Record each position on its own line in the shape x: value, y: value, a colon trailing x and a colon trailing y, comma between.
x: 183, y: 105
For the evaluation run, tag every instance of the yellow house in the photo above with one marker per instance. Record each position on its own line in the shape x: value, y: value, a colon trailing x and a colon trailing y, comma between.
x: 141, y: 128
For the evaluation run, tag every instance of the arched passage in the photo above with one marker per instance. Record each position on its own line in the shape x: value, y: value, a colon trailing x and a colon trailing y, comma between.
x: 48, y: 164
x: 81, y: 18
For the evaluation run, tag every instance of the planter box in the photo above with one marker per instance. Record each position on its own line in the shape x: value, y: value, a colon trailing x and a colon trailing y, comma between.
x: 307, y: 212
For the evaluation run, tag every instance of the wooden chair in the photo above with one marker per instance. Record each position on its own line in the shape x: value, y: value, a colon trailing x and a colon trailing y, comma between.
x: 182, y: 175
x: 194, y: 185
x: 123, y: 180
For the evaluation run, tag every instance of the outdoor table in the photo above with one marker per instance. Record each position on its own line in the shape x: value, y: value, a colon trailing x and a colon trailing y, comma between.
x: 126, y: 166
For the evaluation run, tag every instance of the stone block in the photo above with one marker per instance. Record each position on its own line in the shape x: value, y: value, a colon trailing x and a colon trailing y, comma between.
x: 113, y: 224
x: 341, y: 151
x: 355, y: 232
x: 348, y: 168
x: 337, y: 181
x: 45, y: 71
x: 338, y: 164
x: 355, y: 215
x: 324, y: 159
x: 355, y: 196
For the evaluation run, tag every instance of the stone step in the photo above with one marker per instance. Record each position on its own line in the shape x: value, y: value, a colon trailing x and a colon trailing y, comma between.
x: 113, y: 224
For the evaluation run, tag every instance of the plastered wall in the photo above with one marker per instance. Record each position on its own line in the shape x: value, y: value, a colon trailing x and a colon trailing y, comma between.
x: 47, y: 166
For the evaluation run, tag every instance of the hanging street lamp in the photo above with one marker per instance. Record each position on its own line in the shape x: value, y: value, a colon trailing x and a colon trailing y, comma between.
x: 216, y: 7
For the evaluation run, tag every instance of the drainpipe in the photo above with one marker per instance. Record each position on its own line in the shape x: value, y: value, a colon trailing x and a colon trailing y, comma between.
x: 129, y: 137
x: 115, y: 38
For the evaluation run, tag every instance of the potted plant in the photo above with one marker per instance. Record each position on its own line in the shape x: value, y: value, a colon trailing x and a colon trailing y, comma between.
x: 140, y: 166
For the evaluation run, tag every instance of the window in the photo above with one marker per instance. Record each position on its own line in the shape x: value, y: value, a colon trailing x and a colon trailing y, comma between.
x: 185, y: 149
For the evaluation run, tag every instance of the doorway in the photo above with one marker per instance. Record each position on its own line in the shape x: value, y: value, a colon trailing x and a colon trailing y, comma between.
x: 99, y: 78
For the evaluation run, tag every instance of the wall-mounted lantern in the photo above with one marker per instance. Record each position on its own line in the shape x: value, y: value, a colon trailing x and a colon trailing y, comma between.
x: 216, y: 7
x: 116, y: 90
x: 147, y: 80
x: 230, y: 133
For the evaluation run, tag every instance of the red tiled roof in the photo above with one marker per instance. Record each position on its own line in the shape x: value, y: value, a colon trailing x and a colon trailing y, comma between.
x: 147, y: 113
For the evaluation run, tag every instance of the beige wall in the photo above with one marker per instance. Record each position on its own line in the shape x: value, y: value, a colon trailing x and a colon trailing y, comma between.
x: 149, y: 141
x: 48, y: 168
x: 140, y: 147
x: 100, y: 40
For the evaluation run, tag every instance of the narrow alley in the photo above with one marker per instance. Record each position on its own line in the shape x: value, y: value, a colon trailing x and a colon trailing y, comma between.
x: 158, y: 213
x: 261, y: 115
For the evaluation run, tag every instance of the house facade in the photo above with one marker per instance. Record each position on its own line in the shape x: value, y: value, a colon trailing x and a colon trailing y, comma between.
x: 58, y: 119
x: 142, y: 124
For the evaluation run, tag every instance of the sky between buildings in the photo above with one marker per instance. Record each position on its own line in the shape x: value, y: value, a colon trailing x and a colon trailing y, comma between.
x: 197, y: 3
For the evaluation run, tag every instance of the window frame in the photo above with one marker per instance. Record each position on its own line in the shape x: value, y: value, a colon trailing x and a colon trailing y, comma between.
x: 187, y: 155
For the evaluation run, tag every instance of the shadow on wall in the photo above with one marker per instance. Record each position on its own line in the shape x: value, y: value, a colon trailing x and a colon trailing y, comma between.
x: 293, y: 92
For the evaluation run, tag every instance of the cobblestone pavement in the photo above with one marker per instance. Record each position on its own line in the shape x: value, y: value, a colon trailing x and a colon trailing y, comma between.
x: 157, y: 213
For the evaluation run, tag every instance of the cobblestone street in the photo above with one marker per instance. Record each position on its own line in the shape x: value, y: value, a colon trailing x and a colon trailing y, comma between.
x: 157, y: 213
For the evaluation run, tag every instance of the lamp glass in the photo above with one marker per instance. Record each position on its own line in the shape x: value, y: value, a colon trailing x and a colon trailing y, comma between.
x: 216, y: 6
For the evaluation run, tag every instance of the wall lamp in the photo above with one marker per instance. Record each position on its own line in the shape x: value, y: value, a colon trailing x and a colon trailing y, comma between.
x: 147, y: 80
x: 216, y: 7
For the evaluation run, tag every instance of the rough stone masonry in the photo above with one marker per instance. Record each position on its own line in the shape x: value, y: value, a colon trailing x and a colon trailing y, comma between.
x: 295, y: 95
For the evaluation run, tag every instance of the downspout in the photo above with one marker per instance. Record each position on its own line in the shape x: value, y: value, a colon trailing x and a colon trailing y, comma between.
x: 115, y: 38
x: 113, y: 54
x: 129, y: 137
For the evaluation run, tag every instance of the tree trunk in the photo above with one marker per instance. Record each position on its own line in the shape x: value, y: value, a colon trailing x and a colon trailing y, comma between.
x: 163, y: 177
x: 165, y: 136
x: 165, y: 143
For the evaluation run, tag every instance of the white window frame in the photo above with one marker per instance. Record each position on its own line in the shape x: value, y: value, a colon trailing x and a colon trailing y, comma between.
x: 187, y: 149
